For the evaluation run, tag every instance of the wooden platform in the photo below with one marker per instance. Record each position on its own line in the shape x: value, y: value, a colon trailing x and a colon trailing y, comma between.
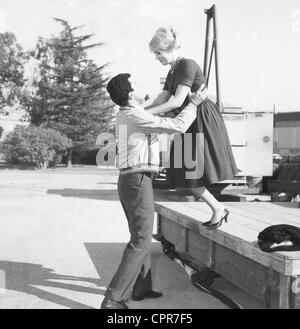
x: 232, y: 250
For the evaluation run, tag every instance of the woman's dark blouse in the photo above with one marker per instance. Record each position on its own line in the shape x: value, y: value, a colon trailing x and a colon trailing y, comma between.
x: 187, y: 73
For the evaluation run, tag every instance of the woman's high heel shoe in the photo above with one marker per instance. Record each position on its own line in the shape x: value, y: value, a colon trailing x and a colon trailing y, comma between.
x: 206, y: 223
x: 220, y: 222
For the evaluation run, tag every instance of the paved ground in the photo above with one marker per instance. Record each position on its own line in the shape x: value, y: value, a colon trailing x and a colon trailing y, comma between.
x: 62, y: 233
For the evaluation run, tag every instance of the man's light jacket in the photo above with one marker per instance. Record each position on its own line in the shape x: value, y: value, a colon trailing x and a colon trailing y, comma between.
x: 137, y: 136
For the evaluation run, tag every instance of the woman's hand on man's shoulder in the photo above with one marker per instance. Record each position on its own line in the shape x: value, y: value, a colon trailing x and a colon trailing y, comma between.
x: 199, y: 96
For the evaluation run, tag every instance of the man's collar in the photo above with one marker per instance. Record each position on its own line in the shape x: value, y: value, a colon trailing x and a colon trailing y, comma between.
x: 131, y: 107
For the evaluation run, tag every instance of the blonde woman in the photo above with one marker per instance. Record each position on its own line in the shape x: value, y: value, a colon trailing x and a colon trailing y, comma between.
x: 214, y: 158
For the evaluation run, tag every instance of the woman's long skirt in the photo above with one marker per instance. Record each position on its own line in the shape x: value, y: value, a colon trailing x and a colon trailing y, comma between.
x: 203, y: 155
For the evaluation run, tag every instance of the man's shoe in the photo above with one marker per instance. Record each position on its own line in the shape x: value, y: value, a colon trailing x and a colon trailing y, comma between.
x: 110, y: 304
x: 149, y: 294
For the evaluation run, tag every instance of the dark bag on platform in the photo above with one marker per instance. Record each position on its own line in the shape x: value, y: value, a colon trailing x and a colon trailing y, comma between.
x: 281, y: 237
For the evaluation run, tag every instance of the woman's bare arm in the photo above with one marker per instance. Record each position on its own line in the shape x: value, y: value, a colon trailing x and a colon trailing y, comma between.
x: 163, y: 97
x: 182, y: 92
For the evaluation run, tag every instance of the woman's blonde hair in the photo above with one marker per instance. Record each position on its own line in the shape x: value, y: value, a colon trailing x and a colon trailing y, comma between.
x: 165, y: 39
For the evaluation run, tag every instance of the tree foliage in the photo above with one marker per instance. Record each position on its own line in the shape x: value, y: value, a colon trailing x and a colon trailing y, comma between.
x: 34, y: 146
x: 12, y: 59
x: 70, y: 88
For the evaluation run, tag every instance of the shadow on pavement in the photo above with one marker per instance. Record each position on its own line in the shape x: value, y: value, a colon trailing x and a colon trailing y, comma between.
x: 112, y: 195
x: 106, y: 257
x: 106, y: 195
x: 24, y: 277
x: 167, y: 277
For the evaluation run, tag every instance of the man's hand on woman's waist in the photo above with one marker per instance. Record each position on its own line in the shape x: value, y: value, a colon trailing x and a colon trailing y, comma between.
x: 199, y: 96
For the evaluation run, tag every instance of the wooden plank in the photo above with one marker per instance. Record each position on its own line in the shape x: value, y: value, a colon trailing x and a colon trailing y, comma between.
x: 185, y: 216
x: 235, y: 259
x: 284, y: 292
x: 252, y: 216
x: 279, y: 291
x: 244, y: 219
x: 292, y: 205
x: 274, y: 211
x: 274, y: 260
x: 288, y: 209
x: 188, y: 219
x: 271, y: 290
x: 195, y: 210
x: 198, y: 247
x: 203, y: 211
x: 180, y: 221
x: 237, y: 225
x: 244, y: 273
x: 263, y: 217
x: 280, y: 262
x: 276, y: 205
x: 174, y: 233
x: 265, y: 212
x: 255, y: 216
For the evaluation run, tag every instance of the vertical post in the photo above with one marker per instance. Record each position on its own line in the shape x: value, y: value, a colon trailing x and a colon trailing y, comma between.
x: 206, y: 50
x: 278, y: 291
x: 219, y: 102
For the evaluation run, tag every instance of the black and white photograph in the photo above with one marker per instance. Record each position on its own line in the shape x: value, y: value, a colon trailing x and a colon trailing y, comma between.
x: 149, y: 157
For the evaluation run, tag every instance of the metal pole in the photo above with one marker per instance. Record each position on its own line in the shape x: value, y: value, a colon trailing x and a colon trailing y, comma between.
x: 210, y: 61
x: 208, y: 13
x: 219, y: 102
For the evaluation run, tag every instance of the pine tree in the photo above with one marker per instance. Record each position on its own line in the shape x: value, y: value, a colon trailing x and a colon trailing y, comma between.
x: 70, y: 88
x: 12, y: 59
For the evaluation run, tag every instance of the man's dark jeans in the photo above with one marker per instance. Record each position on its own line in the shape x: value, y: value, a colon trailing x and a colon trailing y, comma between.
x: 136, y: 196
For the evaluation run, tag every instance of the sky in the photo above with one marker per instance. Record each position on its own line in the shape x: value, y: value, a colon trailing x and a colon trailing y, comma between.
x: 259, y: 41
